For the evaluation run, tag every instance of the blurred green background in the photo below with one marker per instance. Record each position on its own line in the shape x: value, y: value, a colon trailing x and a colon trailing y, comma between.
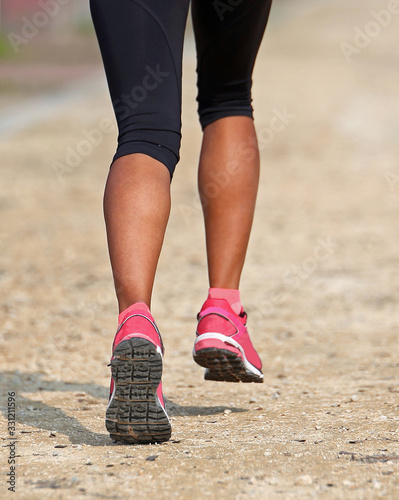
x: 44, y: 45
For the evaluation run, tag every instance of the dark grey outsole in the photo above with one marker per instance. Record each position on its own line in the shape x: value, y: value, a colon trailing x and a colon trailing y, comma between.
x: 135, y: 414
x: 223, y: 365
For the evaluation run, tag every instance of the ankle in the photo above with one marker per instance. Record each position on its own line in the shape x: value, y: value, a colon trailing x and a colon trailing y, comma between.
x: 232, y: 296
x: 134, y: 304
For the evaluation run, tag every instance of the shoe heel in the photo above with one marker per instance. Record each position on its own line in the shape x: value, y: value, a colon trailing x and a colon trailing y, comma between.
x: 134, y: 413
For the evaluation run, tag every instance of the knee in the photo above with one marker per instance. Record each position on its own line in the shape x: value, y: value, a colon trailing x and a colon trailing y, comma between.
x: 162, y: 145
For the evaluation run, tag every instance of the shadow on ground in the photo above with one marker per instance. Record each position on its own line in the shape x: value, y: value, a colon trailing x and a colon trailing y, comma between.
x: 35, y: 413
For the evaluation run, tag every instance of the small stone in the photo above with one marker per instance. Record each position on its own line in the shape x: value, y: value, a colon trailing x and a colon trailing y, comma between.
x: 88, y: 462
x: 253, y: 400
x: 317, y: 427
x: 55, y: 454
x: 276, y: 395
x: 353, y: 398
x: 151, y: 458
x: 305, y: 480
x: 267, y: 453
x: 377, y: 485
x: 227, y: 412
x: 347, y: 483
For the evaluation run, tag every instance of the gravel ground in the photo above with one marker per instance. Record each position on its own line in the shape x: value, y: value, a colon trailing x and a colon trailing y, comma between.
x: 320, y: 286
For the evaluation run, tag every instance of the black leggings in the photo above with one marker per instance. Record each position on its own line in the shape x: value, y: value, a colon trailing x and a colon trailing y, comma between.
x: 141, y: 42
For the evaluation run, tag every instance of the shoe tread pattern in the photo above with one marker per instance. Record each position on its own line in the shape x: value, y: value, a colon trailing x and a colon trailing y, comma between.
x: 223, y: 365
x: 135, y: 415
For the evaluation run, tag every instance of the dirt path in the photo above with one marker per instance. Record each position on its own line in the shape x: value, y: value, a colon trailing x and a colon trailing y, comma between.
x: 321, y: 288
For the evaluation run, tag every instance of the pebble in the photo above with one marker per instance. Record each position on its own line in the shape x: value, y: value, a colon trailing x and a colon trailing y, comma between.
x: 353, y: 398
x: 253, y: 400
x: 276, y: 395
x: 377, y: 485
x: 304, y: 480
x: 317, y: 427
x: 347, y: 483
x: 227, y: 412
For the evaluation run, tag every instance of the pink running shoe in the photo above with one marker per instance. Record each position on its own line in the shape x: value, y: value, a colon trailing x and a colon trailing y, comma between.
x: 223, y: 345
x: 136, y: 409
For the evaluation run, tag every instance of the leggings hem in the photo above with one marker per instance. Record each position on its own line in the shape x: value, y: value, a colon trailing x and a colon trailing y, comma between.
x: 163, y: 155
x: 216, y: 115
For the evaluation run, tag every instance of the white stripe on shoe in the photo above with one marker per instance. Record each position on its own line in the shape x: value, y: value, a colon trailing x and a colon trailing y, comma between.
x: 228, y: 340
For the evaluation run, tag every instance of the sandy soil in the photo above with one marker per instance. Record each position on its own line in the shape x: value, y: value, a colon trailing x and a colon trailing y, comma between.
x: 320, y: 286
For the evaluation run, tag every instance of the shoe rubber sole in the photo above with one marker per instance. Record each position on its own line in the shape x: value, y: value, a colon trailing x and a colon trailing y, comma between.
x: 135, y: 414
x: 223, y: 365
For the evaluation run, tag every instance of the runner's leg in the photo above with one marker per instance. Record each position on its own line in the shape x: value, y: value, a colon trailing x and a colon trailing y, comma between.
x: 228, y: 178
x: 228, y: 40
x: 141, y: 44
